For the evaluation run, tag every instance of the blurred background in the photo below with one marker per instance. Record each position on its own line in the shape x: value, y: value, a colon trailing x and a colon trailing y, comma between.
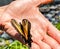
x: 50, y: 11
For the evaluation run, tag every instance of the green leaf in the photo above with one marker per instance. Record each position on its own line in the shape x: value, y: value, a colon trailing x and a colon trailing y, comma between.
x: 58, y: 26
x: 17, y: 45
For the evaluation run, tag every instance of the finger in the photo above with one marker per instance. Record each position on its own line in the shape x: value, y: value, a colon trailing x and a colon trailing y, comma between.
x: 41, y: 44
x: 46, y: 1
x: 19, y: 5
x: 37, y: 37
x: 22, y: 5
x: 34, y: 46
x: 52, y: 42
x: 39, y: 2
x: 54, y: 32
x: 51, y: 30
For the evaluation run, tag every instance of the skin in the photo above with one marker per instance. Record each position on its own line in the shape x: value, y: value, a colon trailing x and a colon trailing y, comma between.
x: 40, y: 26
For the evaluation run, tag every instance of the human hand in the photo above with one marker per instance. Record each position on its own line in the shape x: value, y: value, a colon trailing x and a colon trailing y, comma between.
x: 40, y: 26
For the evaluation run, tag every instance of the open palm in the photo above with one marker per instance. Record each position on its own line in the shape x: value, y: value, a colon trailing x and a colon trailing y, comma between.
x: 40, y: 26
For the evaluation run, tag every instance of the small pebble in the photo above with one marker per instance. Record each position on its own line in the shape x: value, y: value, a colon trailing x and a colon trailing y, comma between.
x: 5, y: 36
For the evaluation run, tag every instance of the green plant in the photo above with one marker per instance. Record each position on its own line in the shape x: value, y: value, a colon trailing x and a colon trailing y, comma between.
x: 58, y: 25
x: 15, y: 45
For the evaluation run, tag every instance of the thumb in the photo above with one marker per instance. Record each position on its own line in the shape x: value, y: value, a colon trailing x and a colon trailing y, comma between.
x: 39, y: 2
x: 24, y: 5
